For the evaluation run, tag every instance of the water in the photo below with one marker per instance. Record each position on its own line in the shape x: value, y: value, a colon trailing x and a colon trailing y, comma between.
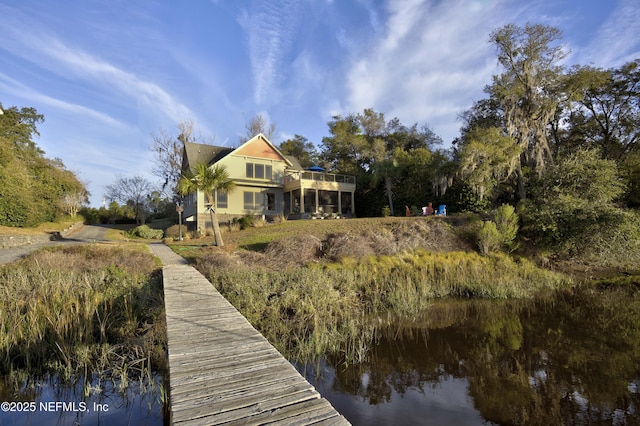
x: 571, y: 360
x: 48, y: 401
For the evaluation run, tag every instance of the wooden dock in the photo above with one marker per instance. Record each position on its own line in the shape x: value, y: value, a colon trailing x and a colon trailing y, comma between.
x: 223, y: 371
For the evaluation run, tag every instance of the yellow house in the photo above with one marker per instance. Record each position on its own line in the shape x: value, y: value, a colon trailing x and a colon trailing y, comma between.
x: 267, y: 183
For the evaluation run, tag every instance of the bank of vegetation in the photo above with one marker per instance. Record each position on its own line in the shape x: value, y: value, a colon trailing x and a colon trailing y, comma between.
x: 90, y: 313
x: 313, y: 291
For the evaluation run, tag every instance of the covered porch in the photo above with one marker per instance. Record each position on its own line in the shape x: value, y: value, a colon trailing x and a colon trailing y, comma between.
x: 308, y: 193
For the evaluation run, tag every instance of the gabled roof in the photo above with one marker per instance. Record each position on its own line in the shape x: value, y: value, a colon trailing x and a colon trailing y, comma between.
x: 195, y: 153
x: 260, y: 146
x: 295, y: 164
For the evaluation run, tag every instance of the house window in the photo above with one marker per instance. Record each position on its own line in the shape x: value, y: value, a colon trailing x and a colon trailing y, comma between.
x: 259, y: 171
x: 254, y: 200
x: 222, y: 201
x: 271, y: 201
x: 248, y: 200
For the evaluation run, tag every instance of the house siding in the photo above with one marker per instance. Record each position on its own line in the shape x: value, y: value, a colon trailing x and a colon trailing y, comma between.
x: 262, y: 156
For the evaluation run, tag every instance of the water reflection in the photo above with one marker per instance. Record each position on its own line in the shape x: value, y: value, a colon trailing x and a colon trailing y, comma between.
x: 50, y: 401
x: 570, y: 360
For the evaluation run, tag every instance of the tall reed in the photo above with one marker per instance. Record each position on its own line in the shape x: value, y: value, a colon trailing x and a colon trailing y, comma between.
x: 326, y: 307
x: 80, y: 311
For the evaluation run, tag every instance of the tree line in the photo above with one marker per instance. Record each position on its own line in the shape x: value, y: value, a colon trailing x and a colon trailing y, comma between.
x: 558, y: 143
x: 538, y: 118
x: 33, y: 188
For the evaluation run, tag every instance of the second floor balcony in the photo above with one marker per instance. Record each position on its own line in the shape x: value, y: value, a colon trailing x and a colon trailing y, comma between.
x: 319, y: 177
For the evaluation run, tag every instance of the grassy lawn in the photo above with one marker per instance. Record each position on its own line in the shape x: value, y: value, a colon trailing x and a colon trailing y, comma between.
x: 43, y: 228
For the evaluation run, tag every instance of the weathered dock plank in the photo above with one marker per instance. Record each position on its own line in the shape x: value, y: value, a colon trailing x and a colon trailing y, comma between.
x: 223, y: 371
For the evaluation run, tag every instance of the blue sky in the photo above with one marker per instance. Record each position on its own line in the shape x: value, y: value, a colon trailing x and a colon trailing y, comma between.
x: 106, y: 74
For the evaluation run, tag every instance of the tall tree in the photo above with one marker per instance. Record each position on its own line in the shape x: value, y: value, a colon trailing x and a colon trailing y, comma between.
x: 529, y: 90
x: 609, y: 117
x: 300, y: 148
x: 400, y: 136
x: 208, y: 180
x: 31, y: 185
x: 133, y: 191
x: 20, y: 127
x: 168, y: 152
x: 259, y: 124
x: 487, y: 158
x: 416, y: 171
x: 369, y: 147
x: 343, y: 151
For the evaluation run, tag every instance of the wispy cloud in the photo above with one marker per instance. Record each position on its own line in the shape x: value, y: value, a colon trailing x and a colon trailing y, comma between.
x: 98, y: 71
x: 270, y: 28
x: 431, y: 62
x: 18, y: 89
x: 48, y: 51
x: 618, y: 39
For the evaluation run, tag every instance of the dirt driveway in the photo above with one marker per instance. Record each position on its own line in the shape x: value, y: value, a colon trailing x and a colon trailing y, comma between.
x: 83, y: 235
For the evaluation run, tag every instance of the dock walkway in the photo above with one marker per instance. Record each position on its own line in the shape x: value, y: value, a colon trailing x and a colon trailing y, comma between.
x: 223, y: 371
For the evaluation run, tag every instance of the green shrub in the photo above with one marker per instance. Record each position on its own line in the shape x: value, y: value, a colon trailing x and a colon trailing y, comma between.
x: 573, y: 202
x: 143, y: 231
x: 489, y: 239
x: 244, y: 222
x: 506, y: 220
x: 500, y: 233
x: 386, y: 211
x: 615, y: 243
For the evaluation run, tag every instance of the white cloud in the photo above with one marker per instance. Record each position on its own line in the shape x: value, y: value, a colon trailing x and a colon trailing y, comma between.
x: 270, y: 28
x: 97, y: 71
x: 18, y: 89
x: 47, y: 51
x: 431, y: 62
x: 617, y: 40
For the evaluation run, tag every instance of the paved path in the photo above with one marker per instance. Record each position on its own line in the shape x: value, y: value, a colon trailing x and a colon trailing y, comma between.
x: 223, y: 371
x: 84, y: 234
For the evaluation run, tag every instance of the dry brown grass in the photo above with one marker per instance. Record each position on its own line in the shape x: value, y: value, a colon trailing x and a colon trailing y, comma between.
x: 299, y: 243
x: 134, y: 259
x: 83, y: 309
x: 297, y: 249
x: 344, y: 245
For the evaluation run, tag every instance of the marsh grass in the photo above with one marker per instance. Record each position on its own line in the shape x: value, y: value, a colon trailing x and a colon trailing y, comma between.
x: 330, y: 307
x: 83, y: 311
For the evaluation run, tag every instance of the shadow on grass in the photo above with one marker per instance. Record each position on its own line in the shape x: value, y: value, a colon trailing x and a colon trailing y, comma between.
x: 260, y: 247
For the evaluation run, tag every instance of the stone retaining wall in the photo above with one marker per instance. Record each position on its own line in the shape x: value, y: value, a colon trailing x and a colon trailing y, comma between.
x: 7, y: 241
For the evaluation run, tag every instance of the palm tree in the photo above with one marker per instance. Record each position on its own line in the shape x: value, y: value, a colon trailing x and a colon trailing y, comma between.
x: 208, y: 180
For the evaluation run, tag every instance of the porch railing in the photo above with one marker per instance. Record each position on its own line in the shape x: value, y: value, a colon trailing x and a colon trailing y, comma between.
x: 321, y: 177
